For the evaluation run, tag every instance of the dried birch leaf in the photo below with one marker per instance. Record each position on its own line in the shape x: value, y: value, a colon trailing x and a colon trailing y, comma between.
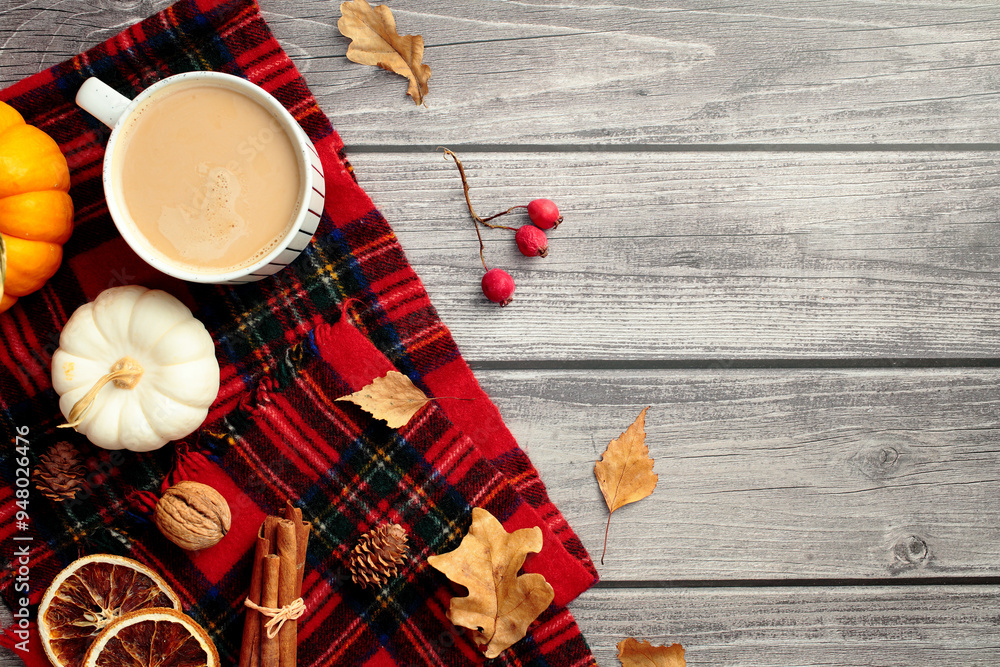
x: 632, y: 653
x: 500, y: 605
x: 625, y: 471
x: 374, y: 41
x: 393, y: 399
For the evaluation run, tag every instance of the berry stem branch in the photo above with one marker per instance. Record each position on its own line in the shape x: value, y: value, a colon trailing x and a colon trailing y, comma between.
x: 482, y: 257
x: 497, y: 215
x: 472, y: 212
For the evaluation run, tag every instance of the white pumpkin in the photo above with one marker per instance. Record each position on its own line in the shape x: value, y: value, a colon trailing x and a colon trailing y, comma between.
x: 135, y: 369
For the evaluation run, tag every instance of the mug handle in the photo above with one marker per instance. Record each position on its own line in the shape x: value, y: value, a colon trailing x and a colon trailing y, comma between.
x: 101, y: 101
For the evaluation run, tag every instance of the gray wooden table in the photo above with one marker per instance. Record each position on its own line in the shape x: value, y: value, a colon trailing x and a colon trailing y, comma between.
x: 781, y: 233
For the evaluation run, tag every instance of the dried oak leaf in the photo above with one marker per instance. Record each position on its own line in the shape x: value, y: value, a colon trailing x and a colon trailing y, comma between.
x: 500, y: 605
x: 374, y: 41
x: 625, y: 471
x: 392, y: 398
x: 632, y: 653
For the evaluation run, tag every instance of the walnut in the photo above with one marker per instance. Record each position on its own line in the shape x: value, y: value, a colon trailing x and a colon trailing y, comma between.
x: 193, y: 515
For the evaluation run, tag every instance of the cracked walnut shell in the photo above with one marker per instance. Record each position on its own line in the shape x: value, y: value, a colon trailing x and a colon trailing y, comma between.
x: 192, y: 515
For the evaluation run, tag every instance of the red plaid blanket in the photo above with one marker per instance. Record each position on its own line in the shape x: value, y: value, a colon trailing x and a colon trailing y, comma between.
x: 285, y: 351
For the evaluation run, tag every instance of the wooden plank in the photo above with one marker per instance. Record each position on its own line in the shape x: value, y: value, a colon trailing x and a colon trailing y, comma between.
x: 584, y: 72
x: 769, y: 474
x: 701, y: 255
x: 805, y: 627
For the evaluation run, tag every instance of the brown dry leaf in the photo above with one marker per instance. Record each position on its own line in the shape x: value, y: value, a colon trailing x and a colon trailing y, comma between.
x: 625, y: 471
x: 393, y: 399
x: 500, y: 605
x: 374, y: 41
x: 632, y: 653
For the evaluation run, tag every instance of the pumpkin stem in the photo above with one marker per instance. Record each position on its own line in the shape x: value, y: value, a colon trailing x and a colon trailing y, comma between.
x: 125, y: 374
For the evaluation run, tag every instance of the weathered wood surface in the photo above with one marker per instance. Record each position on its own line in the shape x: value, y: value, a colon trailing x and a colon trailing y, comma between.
x: 883, y: 626
x: 589, y: 71
x: 723, y: 256
x: 765, y: 202
x: 769, y: 474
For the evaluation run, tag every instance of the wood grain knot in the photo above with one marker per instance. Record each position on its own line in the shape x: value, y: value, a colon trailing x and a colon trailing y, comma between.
x: 912, y: 550
x: 685, y: 258
x: 878, y: 463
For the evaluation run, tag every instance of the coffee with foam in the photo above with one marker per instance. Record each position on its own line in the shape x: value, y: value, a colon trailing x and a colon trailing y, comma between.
x: 209, y: 177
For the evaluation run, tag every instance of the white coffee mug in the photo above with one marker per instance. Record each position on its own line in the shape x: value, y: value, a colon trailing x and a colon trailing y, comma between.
x: 115, y: 110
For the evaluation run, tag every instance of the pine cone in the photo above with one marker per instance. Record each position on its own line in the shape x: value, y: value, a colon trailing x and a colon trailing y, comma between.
x: 60, y: 472
x: 378, y: 555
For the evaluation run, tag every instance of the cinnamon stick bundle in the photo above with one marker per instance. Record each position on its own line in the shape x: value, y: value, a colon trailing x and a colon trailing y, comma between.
x: 302, y: 528
x: 287, y: 580
x: 269, y: 647
x: 250, y: 648
x: 275, y: 587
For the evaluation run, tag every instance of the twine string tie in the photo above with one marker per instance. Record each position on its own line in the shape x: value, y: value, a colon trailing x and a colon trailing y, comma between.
x: 278, y: 615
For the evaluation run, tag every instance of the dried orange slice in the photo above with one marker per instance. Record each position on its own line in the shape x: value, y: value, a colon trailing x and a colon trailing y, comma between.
x: 152, y: 638
x: 87, y: 596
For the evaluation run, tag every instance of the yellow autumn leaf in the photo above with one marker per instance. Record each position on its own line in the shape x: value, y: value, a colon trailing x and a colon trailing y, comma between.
x: 632, y: 653
x: 625, y: 471
x: 392, y: 398
x: 500, y: 605
x: 374, y: 41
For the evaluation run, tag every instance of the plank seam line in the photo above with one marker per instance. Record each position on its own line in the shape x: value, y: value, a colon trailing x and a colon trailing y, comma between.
x: 971, y: 147
x: 732, y: 364
x: 831, y: 582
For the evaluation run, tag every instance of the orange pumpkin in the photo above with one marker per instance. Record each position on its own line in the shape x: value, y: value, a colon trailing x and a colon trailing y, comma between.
x: 36, y: 212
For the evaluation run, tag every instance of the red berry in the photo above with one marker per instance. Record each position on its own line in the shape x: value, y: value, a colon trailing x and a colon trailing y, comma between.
x: 531, y: 241
x: 544, y: 213
x: 498, y: 286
